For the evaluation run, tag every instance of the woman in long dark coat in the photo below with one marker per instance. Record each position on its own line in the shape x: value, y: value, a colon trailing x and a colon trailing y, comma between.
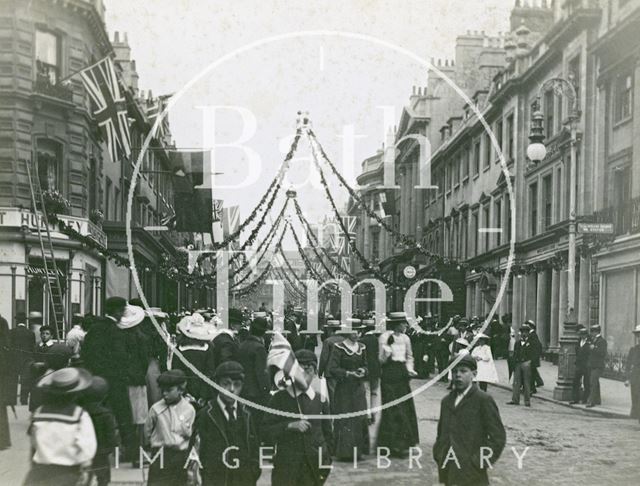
x: 348, y: 366
x: 398, y: 424
x: 633, y: 374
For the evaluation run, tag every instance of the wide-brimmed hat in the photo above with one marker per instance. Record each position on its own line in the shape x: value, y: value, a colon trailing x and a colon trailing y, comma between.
x: 195, y: 327
x: 133, y: 315
x: 65, y: 381
x: 156, y: 312
x: 396, y: 318
x: 462, y: 341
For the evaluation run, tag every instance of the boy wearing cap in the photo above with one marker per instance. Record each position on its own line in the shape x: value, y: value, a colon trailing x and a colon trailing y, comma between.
x: 168, y: 430
x: 471, y: 435
x: 225, y: 437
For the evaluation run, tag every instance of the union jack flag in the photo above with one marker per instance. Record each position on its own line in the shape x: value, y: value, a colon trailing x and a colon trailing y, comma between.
x: 155, y: 107
x: 216, y: 218
x: 110, y: 109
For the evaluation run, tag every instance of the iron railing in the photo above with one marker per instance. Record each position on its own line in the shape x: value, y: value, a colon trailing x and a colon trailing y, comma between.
x: 614, y: 366
x: 624, y: 217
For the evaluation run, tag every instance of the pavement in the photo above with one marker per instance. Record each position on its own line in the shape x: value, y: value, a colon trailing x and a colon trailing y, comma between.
x: 563, y: 447
x: 616, y: 398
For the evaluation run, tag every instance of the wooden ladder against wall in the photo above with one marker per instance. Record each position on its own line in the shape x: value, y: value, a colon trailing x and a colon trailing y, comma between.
x: 54, y: 289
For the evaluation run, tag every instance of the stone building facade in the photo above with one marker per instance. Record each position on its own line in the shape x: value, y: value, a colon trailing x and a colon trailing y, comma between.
x: 46, y: 122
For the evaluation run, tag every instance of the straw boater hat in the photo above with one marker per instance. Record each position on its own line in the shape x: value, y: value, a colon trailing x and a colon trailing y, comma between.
x: 395, y: 318
x: 260, y: 314
x: 332, y: 323
x: 195, y: 327
x: 133, y: 315
x: 156, y: 312
x: 356, y: 325
x: 65, y: 381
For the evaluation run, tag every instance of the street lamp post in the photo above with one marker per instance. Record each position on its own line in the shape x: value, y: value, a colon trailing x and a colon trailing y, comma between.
x: 536, y: 151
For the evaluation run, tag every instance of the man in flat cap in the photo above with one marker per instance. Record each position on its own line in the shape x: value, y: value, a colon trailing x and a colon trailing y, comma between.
x: 225, y: 436
x: 471, y: 436
x: 595, y: 365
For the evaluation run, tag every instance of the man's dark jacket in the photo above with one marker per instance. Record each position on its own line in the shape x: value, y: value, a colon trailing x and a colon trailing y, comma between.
x: 582, y: 355
x: 473, y: 424
x: 215, y: 434
x: 224, y: 347
x: 253, y: 358
x: 598, y: 353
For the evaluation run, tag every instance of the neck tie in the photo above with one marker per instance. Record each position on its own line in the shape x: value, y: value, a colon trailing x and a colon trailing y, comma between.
x: 231, y: 412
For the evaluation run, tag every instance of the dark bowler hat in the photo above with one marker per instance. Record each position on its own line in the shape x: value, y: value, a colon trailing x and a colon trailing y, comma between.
x: 172, y: 378
x: 467, y: 361
x: 229, y: 369
x: 258, y: 326
x: 305, y: 356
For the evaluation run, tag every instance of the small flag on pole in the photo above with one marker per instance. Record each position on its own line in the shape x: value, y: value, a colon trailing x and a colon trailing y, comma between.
x: 281, y: 356
x: 109, y: 110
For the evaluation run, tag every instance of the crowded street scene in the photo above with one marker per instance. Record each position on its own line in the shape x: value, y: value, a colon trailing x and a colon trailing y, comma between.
x: 282, y: 243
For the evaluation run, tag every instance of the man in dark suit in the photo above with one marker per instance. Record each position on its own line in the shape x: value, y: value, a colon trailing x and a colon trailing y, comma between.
x: 536, y: 355
x: 523, y: 354
x: 581, y: 374
x: 104, y: 353
x: 252, y: 355
x: 224, y: 346
x: 23, y: 342
x: 471, y: 436
x: 595, y: 365
x: 226, y: 433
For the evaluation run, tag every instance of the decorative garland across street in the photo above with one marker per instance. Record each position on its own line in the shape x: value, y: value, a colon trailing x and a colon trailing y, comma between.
x: 316, y: 244
x: 174, y: 267
x: 275, y: 249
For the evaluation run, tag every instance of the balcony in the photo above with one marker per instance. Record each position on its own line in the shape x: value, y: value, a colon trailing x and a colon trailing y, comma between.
x: 624, y: 217
x: 45, y: 84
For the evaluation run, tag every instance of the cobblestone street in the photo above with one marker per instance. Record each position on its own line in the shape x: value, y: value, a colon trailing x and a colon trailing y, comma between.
x: 566, y: 447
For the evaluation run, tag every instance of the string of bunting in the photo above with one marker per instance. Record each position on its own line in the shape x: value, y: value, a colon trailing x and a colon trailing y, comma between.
x: 365, y: 263
x: 278, y: 244
x: 316, y: 244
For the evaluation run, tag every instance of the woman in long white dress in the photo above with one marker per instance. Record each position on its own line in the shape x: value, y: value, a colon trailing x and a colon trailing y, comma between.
x: 487, y: 372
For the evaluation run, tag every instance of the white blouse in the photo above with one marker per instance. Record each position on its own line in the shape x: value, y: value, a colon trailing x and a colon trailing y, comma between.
x: 399, y: 351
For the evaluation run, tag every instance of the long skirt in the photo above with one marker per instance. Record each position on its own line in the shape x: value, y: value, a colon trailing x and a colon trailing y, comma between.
x: 351, y: 434
x: 172, y: 472
x: 47, y: 475
x: 399, y: 424
x: 634, y: 381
